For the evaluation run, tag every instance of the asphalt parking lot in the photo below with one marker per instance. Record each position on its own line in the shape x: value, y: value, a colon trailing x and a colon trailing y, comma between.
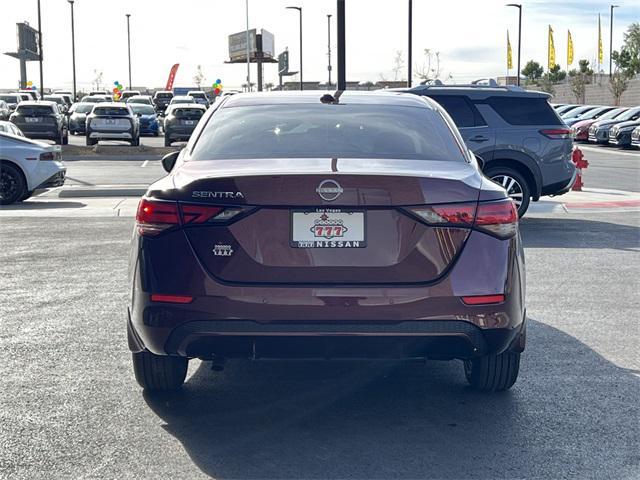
x: 70, y: 407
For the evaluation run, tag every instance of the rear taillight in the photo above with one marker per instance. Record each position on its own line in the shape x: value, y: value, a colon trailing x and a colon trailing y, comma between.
x: 171, y: 298
x: 557, y: 132
x: 156, y: 216
x: 483, y: 299
x: 496, y: 218
x: 455, y: 214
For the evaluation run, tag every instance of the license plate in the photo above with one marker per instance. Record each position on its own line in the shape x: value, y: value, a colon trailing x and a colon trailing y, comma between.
x: 328, y: 228
x: 110, y: 121
x: 32, y: 119
x: 189, y: 122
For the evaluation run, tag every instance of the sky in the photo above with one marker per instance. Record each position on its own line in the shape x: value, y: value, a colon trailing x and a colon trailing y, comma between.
x: 469, y: 34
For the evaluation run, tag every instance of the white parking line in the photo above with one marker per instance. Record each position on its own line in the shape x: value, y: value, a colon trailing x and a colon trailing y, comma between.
x: 145, y: 163
x: 608, y: 150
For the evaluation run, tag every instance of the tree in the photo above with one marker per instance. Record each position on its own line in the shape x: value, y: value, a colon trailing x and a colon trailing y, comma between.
x: 628, y: 58
x: 430, y: 68
x: 532, y: 70
x: 556, y: 75
x: 268, y: 87
x: 618, y: 84
x: 199, y: 77
x: 578, y: 85
x: 398, y: 65
x: 97, y: 80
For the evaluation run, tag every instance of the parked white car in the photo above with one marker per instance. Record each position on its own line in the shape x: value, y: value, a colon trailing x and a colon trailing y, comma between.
x: 26, y: 166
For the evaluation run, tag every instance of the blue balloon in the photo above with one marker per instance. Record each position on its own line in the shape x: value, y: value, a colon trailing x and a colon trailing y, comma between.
x: 218, y: 81
x: 115, y: 83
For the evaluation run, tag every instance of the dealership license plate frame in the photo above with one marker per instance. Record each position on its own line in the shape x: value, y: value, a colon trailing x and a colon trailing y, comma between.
x: 329, y: 243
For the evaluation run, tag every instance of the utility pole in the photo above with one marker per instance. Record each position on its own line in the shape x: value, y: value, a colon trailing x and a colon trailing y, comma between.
x: 40, y: 51
x: 342, y: 74
x: 129, y: 47
x: 329, y: 47
x: 248, y: 56
x: 410, y: 44
x: 73, y: 49
x: 300, y: 12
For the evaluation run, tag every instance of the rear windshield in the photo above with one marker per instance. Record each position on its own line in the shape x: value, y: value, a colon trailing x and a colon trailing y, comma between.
x: 143, y: 109
x: 58, y: 100
x: 164, y: 95
x: 111, y: 111
x: 346, y: 131
x: 188, y: 112
x: 198, y: 95
x: 35, y: 109
x: 10, y: 98
x: 83, y: 108
x: 524, y: 111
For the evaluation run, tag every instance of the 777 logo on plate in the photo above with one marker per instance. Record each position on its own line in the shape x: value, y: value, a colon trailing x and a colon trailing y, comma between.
x: 326, y: 228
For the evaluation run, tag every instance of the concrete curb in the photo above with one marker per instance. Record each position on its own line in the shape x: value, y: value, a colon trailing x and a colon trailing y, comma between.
x: 138, y: 158
x: 103, y: 191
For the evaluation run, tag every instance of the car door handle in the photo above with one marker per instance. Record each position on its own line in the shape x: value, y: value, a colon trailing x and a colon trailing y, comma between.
x: 479, y: 139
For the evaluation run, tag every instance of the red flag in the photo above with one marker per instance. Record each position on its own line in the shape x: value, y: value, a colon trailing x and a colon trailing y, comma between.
x: 172, y: 76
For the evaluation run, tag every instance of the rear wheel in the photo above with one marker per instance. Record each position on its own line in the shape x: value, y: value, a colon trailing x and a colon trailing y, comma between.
x: 514, y: 183
x: 159, y: 372
x: 12, y: 184
x: 493, y: 373
x: 25, y: 196
x: 65, y: 138
x: 135, y: 142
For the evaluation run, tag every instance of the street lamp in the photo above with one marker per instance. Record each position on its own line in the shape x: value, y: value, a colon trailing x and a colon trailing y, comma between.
x: 519, y: 7
x: 73, y: 49
x: 611, y: 38
x: 40, y: 51
x: 329, y: 47
x: 129, y: 47
x: 300, y: 12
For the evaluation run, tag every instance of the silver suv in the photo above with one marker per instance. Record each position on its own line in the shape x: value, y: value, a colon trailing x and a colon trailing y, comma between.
x: 524, y: 145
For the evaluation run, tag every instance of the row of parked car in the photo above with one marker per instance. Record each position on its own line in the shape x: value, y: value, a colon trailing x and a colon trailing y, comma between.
x: 100, y: 118
x: 619, y: 126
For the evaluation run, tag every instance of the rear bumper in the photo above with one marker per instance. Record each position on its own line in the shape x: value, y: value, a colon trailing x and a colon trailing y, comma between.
x: 561, y: 188
x: 56, y: 180
x: 179, y: 133
x: 114, y: 135
x: 441, y: 339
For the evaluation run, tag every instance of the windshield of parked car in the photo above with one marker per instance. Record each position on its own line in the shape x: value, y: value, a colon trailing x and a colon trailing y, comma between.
x: 142, y: 109
x: 111, y: 111
x: 52, y: 98
x: 164, y: 95
x: 346, y: 131
x: 82, y: 108
x: 630, y: 114
x: 138, y: 100
x: 35, y: 110
x: 612, y: 114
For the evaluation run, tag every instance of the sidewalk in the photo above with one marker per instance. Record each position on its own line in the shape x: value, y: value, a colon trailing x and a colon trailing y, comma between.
x: 588, y: 200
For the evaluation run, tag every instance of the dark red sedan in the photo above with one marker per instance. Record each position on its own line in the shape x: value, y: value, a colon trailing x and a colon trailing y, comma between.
x: 581, y: 129
x: 312, y: 225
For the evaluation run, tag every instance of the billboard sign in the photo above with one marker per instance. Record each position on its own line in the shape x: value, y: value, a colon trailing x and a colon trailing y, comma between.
x: 268, y: 44
x: 27, y: 39
x: 238, y: 45
x: 283, y: 63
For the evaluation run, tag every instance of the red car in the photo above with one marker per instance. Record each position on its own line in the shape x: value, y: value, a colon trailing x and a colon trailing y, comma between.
x: 581, y: 129
x: 307, y: 225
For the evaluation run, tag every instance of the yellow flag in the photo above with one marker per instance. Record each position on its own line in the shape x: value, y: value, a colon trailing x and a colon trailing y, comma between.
x: 509, y: 57
x: 552, y: 51
x: 600, y: 56
x: 569, y: 48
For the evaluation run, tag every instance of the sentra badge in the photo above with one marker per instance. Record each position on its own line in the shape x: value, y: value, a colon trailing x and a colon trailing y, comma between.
x: 208, y: 194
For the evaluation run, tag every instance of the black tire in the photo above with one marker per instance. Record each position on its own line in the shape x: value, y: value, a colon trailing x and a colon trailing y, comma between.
x: 65, y: 139
x: 135, y: 142
x: 159, y: 372
x: 12, y: 184
x: 167, y: 141
x: 91, y: 141
x: 519, y: 190
x: 25, y: 196
x: 59, y: 139
x: 493, y: 373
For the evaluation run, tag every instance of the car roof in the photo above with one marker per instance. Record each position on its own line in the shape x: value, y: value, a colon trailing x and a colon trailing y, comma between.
x: 476, y: 91
x: 180, y: 96
x: 177, y: 106
x: 31, y: 103
x: 380, y: 97
x: 111, y: 105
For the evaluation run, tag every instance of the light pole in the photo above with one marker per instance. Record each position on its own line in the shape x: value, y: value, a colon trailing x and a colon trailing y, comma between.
x: 410, y: 44
x: 300, y: 12
x: 329, y: 47
x: 519, y: 7
x: 246, y: 9
x: 129, y: 47
x: 73, y: 50
x: 340, y: 27
x: 611, y: 39
x: 40, y: 51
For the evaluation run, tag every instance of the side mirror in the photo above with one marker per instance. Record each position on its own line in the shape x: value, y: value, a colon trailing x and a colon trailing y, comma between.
x: 169, y: 160
x: 480, y: 162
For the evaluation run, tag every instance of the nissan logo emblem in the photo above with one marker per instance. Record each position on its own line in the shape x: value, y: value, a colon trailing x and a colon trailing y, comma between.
x: 329, y: 190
